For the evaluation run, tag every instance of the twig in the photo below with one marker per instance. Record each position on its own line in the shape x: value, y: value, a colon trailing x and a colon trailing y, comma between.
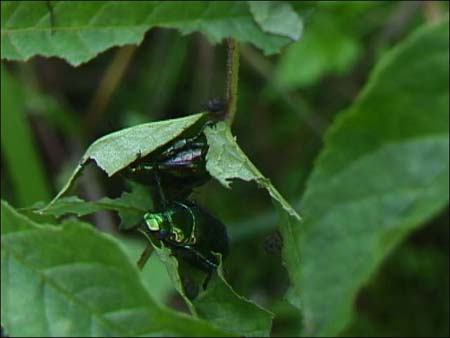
x: 232, y: 78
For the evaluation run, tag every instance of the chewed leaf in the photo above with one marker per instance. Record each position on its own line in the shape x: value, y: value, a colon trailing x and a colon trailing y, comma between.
x: 226, y: 162
x: 118, y: 150
x: 248, y: 319
x: 235, y: 314
x: 79, y: 31
x: 131, y: 206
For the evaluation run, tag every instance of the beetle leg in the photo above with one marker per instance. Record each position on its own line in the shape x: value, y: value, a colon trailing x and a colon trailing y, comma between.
x: 190, y: 288
x: 208, y: 265
x: 207, y: 279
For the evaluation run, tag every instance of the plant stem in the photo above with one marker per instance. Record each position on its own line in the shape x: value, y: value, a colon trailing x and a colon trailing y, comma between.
x: 232, y: 78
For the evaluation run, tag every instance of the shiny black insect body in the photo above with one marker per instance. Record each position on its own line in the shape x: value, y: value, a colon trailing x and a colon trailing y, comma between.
x: 191, y: 232
x: 178, y: 167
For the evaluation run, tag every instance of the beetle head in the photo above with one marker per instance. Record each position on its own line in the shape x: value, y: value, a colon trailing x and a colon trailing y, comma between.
x: 158, y: 224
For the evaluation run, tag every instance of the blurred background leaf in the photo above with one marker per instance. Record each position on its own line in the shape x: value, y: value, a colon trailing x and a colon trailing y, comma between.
x: 331, y: 44
x: 383, y: 172
x: 276, y: 18
x: 19, y: 150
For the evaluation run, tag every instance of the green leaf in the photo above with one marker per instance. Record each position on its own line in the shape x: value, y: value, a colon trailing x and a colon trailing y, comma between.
x: 277, y: 18
x: 226, y: 162
x: 172, y: 266
x: 18, y: 145
x: 223, y: 307
x: 247, y: 318
x: 331, y: 44
x: 81, y: 30
x: 219, y: 303
x: 134, y: 203
x: 74, y: 281
x: 117, y: 150
x: 154, y: 274
x: 234, y: 313
x: 383, y: 172
x: 131, y: 206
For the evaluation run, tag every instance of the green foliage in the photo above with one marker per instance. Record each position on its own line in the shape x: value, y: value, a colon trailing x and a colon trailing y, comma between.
x: 220, y: 304
x: 223, y: 307
x: 226, y: 161
x: 130, y: 206
x: 79, y: 33
x: 276, y: 18
x: 355, y: 257
x: 153, y: 275
x: 331, y: 44
x: 18, y: 145
x: 382, y: 173
x: 76, y: 281
x: 116, y: 151
x: 396, y: 290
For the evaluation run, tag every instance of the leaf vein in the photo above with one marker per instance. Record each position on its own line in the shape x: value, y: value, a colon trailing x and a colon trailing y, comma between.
x: 20, y: 258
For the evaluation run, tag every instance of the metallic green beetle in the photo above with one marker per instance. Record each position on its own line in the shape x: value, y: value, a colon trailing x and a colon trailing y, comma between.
x: 191, y: 232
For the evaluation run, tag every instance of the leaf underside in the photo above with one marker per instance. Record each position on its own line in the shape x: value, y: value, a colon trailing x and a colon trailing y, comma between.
x: 77, y: 31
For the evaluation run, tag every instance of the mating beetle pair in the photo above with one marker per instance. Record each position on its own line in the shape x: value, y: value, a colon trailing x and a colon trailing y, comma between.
x: 191, y: 232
